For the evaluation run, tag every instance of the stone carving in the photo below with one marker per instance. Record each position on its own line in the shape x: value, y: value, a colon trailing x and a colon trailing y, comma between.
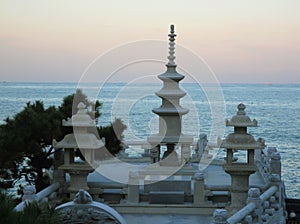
x: 275, y: 156
x: 83, y: 197
x: 249, y: 219
x: 201, y: 145
x: 199, y: 176
x: 29, y: 193
x: 133, y: 175
x: 220, y: 216
x: 170, y: 157
x: 154, y: 152
x: 84, y: 210
x: 86, y: 215
x: 275, y: 177
x: 253, y: 193
x: 270, y: 150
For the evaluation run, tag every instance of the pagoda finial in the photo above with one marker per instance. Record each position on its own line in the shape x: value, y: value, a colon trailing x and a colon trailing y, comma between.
x: 171, y: 56
x: 241, y: 109
x: 81, y: 108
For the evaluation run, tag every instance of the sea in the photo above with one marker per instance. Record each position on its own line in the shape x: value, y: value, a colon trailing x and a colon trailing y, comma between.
x: 276, y: 107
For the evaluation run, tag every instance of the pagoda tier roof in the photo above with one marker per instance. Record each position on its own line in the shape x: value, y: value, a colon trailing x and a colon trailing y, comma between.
x: 240, y: 139
x: 241, y: 142
x: 171, y: 93
x: 81, y: 141
x: 171, y: 75
x: 82, y: 122
x: 178, y: 110
x: 242, y: 146
x: 80, y: 119
x: 241, y: 119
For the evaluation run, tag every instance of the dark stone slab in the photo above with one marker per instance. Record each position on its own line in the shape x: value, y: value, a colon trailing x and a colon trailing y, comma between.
x: 163, y: 197
x: 174, y: 183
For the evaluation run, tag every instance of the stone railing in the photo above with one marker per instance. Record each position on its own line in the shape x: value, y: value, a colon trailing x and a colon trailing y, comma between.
x: 260, y: 208
x: 30, y: 195
x: 144, y: 145
x: 268, y: 162
x: 268, y: 207
x: 200, y: 194
x: 198, y: 148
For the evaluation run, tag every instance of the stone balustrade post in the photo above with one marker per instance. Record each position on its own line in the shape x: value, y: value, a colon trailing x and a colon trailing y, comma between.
x: 271, y: 150
x: 185, y: 153
x: 275, y: 163
x: 275, y: 180
x: 249, y: 219
x: 29, y: 193
x: 258, y: 156
x: 199, y: 188
x: 220, y: 216
x: 155, y: 154
x: 59, y: 175
x: 133, y: 188
x: 253, y: 197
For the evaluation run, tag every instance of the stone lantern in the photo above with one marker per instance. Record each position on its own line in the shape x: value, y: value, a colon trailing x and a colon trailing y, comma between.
x: 79, y: 139
x: 240, y: 171
x: 170, y: 115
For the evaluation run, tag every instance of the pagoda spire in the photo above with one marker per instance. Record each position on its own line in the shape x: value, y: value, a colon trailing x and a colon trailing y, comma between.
x: 171, y: 56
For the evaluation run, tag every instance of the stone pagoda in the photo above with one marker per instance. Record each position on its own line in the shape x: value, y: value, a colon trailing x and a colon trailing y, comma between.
x: 79, y: 139
x: 170, y: 115
x: 240, y: 171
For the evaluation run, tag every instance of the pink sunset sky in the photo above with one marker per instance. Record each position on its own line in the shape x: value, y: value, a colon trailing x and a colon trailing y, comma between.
x: 255, y: 41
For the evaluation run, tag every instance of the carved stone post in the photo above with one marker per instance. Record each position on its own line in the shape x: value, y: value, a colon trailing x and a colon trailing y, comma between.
x: 220, y: 216
x: 201, y: 145
x: 185, y: 153
x: 253, y: 196
x: 29, y: 193
x: 270, y: 150
x: 59, y: 175
x: 275, y: 179
x: 199, y: 188
x: 275, y: 163
x: 133, y: 188
x: 154, y: 154
x: 78, y: 180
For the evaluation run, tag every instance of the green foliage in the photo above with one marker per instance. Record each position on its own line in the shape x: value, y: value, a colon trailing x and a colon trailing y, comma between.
x: 32, y: 213
x: 36, y: 214
x: 113, y: 135
x: 7, y: 205
x: 28, y: 137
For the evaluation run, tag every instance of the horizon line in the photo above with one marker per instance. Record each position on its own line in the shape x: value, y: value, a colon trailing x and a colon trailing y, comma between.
x: 74, y: 82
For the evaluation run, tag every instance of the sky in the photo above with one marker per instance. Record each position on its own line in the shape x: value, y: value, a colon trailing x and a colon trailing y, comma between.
x: 249, y: 41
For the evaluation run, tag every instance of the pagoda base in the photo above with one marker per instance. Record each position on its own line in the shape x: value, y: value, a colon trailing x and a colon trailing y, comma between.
x: 170, y: 157
x: 78, y: 176
x: 239, y: 184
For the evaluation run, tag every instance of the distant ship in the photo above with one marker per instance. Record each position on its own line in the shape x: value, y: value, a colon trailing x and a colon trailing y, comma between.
x: 268, y: 84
